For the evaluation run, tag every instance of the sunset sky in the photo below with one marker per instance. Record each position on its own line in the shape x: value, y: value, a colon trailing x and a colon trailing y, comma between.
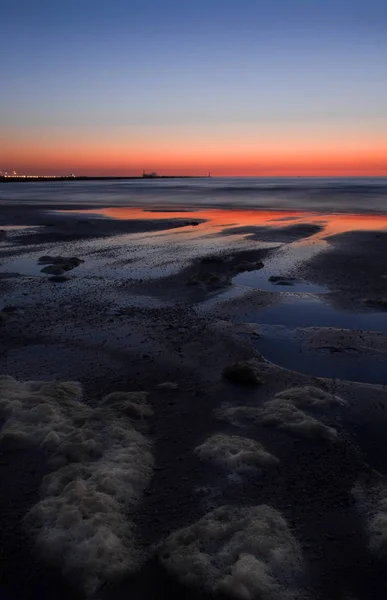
x: 241, y: 87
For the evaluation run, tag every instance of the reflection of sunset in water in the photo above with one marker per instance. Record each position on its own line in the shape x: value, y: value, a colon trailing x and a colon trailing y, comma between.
x: 217, y: 219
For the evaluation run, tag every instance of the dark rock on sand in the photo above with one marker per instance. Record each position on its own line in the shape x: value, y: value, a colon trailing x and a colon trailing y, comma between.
x: 53, y: 270
x: 209, y: 260
x: 10, y: 309
x: 279, y: 280
x: 57, y: 265
x: 250, y: 266
x: 246, y: 371
x: 60, y: 260
x: 379, y: 302
x: 225, y: 268
x: 59, y: 278
x: 207, y: 279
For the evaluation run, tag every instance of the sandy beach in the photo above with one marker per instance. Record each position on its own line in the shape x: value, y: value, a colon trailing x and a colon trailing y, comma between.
x: 259, y: 340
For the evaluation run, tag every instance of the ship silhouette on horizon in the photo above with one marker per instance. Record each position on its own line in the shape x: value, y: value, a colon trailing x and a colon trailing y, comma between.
x: 154, y: 175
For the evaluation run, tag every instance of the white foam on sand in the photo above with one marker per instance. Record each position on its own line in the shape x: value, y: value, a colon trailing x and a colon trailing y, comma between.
x: 243, y: 553
x: 240, y: 416
x: 310, y: 397
x: 101, y: 466
x: 132, y: 404
x: 284, y: 415
x: 285, y: 412
x: 235, y: 453
x: 372, y: 502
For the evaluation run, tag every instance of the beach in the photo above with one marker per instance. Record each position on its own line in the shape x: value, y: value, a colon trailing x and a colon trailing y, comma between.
x: 252, y: 314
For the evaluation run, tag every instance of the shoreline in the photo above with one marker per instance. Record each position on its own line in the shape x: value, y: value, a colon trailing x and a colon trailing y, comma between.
x: 144, y: 305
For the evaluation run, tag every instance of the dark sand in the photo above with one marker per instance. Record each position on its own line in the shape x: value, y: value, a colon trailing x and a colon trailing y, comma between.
x: 353, y: 267
x: 130, y: 334
x: 285, y: 234
x: 55, y: 227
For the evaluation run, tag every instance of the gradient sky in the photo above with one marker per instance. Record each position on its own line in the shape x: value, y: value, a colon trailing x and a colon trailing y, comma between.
x: 242, y: 87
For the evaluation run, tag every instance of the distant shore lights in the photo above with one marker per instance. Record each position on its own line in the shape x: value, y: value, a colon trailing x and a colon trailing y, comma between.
x: 15, y: 175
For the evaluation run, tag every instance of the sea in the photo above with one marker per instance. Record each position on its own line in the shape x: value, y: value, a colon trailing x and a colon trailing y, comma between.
x: 328, y: 195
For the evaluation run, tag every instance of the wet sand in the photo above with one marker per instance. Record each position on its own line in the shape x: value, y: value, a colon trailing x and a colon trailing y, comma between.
x: 148, y: 306
x: 54, y: 226
x: 353, y: 268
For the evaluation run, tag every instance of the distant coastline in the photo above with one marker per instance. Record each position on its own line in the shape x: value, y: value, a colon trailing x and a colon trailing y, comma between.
x: 87, y: 178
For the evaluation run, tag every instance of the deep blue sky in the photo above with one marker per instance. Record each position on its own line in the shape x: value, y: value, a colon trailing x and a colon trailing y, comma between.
x: 161, y: 74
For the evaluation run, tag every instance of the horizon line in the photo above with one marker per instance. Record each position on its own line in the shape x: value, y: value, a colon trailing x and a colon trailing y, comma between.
x: 188, y: 176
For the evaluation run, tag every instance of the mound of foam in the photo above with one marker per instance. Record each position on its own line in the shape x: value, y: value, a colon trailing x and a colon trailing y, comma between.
x: 280, y: 414
x: 80, y: 523
x: 132, y: 404
x: 243, y: 553
x: 378, y: 529
x: 240, y: 416
x: 103, y: 465
x: 284, y: 415
x: 373, y: 502
x: 311, y: 397
x: 284, y: 412
x: 40, y: 412
x: 234, y: 453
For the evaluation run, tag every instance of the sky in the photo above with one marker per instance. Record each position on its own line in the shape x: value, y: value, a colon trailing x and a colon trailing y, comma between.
x: 241, y: 87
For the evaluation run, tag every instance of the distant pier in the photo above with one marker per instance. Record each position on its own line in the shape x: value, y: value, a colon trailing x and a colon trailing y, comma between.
x: 51, y: 178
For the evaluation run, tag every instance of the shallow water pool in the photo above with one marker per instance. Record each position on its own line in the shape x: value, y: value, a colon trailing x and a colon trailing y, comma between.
x: 285, y: 348
x: 311, y: 311
x: 281, y: 343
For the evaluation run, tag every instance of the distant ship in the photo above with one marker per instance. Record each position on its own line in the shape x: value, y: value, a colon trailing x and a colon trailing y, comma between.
x: 154, y: 175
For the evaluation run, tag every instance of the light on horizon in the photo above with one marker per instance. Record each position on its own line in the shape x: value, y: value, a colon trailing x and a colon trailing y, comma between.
x: 16, y: 175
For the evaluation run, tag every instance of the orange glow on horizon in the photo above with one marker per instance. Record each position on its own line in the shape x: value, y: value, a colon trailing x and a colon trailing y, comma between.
x: 173, y: 154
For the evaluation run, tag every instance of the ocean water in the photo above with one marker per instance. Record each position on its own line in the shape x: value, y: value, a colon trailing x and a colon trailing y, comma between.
x: 231, y: 214
x: 338, y: 195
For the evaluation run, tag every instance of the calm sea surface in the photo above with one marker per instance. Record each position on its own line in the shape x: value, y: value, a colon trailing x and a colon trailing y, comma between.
x: 353, y: 195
